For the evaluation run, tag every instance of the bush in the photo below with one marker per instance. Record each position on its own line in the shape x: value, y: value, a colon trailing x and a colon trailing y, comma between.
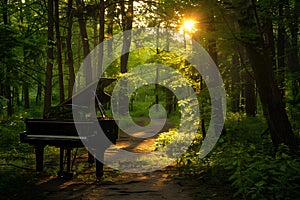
x: 245, y: 158
x: 260, y: 176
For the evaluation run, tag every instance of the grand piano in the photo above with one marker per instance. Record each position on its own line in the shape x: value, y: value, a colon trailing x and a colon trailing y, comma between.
x: 58, y: 129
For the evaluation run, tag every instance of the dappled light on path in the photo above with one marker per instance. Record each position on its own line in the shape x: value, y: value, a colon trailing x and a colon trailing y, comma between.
x: 117, y: 185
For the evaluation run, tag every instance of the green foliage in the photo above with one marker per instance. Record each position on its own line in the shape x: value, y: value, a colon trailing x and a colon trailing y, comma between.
x: 245, y: 158
x: 9, y: 130
x: 17, y: 162
x: 293, y: 104
x: 17, y: 184
x: 260, y: 176
x: 164, y: 139
x: 178, y: 63
x: 252, y: 166
x: 3, y: 102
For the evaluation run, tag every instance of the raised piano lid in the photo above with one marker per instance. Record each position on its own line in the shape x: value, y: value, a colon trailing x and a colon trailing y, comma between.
x: 64, y: 109
x: 102, y: 83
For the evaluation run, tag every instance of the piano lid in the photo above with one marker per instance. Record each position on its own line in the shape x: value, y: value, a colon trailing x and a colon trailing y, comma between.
x: 101, y: 84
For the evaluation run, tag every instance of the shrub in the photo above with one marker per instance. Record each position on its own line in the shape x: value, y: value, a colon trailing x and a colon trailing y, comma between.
x: 245, y: 158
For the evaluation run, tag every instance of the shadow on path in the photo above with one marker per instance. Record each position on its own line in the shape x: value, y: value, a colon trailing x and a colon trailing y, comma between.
x: 117, y: 185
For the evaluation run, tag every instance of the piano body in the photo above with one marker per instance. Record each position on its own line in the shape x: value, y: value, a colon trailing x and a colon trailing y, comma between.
x: 58, y: 129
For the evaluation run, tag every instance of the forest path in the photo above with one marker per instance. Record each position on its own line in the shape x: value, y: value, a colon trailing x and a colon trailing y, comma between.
x: 117, y: 185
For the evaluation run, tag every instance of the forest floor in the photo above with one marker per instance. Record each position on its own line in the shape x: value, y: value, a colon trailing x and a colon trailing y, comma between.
x: 161, y: 184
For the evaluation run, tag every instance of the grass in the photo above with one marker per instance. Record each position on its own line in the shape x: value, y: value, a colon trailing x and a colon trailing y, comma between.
x: 17, y: 176
x: 18, y: 183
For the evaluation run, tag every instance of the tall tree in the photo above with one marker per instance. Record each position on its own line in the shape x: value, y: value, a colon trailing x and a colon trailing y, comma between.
x: 281, y: 49
x: 101, y: 33
x: 69, y: 47
x: 212, y: 41
x: 7, y: 88
x: 50, y: 55
x: 254, y: 42
x: 110, y: 25
x: 59, y: 53
x: 84, y: 38
x: 249, y: 91
x: 292, y: 14
x: 235, y: 85
x: 127, y: 19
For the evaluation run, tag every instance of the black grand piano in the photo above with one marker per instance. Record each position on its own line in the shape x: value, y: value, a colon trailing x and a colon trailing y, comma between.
x: 58, y: 129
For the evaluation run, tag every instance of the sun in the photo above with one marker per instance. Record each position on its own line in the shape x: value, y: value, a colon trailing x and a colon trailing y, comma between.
x: 188, y: 26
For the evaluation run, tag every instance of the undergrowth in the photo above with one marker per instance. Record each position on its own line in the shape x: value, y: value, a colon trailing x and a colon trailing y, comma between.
x: 18, y: 178
x: 244, y: 157
x: 17, y: 162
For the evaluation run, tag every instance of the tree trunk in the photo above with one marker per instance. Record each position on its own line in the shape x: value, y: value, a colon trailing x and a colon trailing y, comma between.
x: 127, y: 19
x: 69, y: 48
x: 16, y: 95
x: 249, y: 91
x: 157, y: 70
x: 25, y: 88
x: 110, y: 25
x: 5, y: 13
x: 26, y: 95
x: 7, y: 93
x: 78, y: 61
x: 235, y: 87
x: 293, y: 58
x: 212, y: 50
x: 169, y: 101
x: 38, y: 96
x: 250, y: 97
x: 281, y: 49
x: 270, y: 40
x: 101, y: 20
x: 95, y: 30
x: 96, y: 52
x: 7, y: 90
x: 212, y: 42
x: 59, y: 54
x: 276, y: 116
x: 84, y: 39
x: 101, y: 35
x: 1, y: 85
x: 48, y: 81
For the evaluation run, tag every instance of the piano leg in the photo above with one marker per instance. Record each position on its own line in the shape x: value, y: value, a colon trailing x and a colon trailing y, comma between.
x: 65, y: 174
x: 61, y: 160
x: 39, y: 157
x: 69, y: 160
x: 99, y: 166
x: 90, y: 158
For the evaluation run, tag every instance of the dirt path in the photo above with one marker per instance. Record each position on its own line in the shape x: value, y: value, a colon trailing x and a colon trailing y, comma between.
x: 148, y: 186
x: 126, y: 186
